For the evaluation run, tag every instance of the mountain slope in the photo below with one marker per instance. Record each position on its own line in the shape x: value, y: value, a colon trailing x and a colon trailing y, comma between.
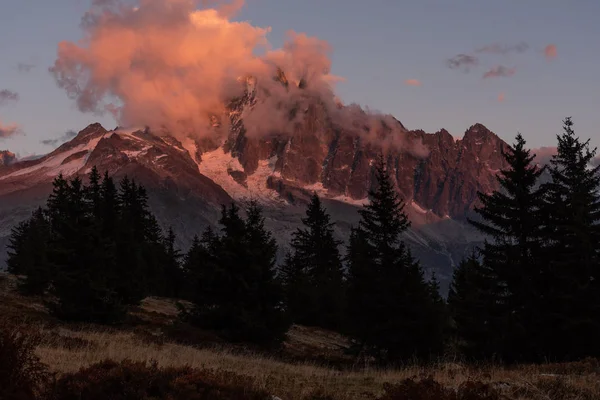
x: 188, y: 180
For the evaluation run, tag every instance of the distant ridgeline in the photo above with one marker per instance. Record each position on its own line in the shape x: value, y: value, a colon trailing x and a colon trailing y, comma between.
x: 531, y: 293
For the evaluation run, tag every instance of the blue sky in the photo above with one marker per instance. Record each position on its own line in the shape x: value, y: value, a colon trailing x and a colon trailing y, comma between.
x: 377, y: 45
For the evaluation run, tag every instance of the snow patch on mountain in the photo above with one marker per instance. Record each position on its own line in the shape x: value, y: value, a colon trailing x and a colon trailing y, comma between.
x: 54, y: 165
x: 135, y: 153
x: 217, y: 166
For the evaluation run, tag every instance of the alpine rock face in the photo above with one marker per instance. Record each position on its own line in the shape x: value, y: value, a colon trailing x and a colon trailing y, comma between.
x: 188, y: 180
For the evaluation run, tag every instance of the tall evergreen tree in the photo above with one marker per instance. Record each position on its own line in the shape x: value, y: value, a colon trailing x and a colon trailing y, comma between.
x: 134, y: 226
x: 237, y: 293
x: 572, y: 210
x: 28, y: 253
x: 391, y: 308
x: 171, y: 267
x: 511, y: 218
x: 79, y: 281
x: 200, y: 270
x: 97, y: 248
x: 471, y: 302
x: 313, y: 273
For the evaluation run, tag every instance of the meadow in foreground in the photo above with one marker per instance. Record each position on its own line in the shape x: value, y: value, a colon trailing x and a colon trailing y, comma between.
x: 311, y: 365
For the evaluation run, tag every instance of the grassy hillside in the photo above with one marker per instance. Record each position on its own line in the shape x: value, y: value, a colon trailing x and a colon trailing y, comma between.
x: 312, y: 364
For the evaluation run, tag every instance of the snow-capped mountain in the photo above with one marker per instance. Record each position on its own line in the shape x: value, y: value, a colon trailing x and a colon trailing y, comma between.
x: 188, y: 180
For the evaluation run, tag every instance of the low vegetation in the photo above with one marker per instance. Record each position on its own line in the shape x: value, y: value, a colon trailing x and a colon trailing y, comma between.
x: 71, y: 361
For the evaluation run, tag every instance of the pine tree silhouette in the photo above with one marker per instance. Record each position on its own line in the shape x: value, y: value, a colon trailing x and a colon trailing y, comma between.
x: 79, y: 282
x: 471, y: 302
x: 96, y: 248
x: 172, y: 269
x: 572, y: 210
x: 313, y: 272
x: 28, y: 253
x: 236, y: 292
x: 391, y: 308
x: 512, y: 220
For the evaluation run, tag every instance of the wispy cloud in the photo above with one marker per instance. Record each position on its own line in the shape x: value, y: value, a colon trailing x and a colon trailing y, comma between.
x: 499, y: 71
x: 462, y: 61
x: 412, y: 82
x: 550, y: 51
x: 497, y: 48
x: 68, y: 135
x: 7, y: 96
x: 25, y: 67
x: 7, y: 131
x: 501, y: 97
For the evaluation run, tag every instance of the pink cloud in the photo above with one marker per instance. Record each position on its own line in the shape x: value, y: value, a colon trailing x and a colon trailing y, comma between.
x: 501, y: 97
x: 499, y: 71
x: 175, y: 65
x: 9, y: 130
x: 412, y: 82
x: 550, y: 51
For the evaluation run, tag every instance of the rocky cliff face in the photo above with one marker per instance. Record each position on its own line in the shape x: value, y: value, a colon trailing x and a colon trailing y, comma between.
x: 443, y: 179
x: 187, y: 181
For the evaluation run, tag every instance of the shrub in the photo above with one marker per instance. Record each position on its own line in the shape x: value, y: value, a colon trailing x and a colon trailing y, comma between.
x: 22, y: 375
x: 138, y: 381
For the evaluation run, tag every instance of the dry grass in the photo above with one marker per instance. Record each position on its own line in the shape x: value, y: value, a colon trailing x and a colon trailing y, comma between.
x: 68, y: 348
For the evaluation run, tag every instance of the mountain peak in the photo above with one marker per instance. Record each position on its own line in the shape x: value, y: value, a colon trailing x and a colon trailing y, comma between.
x: 91, y: 129
x: 478, y: 131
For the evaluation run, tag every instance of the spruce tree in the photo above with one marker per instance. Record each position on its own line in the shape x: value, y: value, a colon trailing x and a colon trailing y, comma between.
x: 28, y: 253
x: 79, y: 282
x: 472, y: 307
x: 237, y: 293
x: 391, y: 308
x: 512, y: 221
x: 266, y: 320
x: 572, y: 210
x: 136, y: 277
x: 172, y: 270
x: 96, y: 248
x: 313, y: 272
x: 200, y: 271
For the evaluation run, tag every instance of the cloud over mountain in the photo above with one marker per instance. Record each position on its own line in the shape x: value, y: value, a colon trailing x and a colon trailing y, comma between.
x: 68, y: 135
x: 9, y: 130
x: 174, y: 64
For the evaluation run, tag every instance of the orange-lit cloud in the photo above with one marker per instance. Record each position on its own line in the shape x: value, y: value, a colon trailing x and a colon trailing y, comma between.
x: 501, y: 97
x: 9, y: 130
x: 499, y: 71
x: 175, y: 64
x: 550, y: 51
x: 412, y: 82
